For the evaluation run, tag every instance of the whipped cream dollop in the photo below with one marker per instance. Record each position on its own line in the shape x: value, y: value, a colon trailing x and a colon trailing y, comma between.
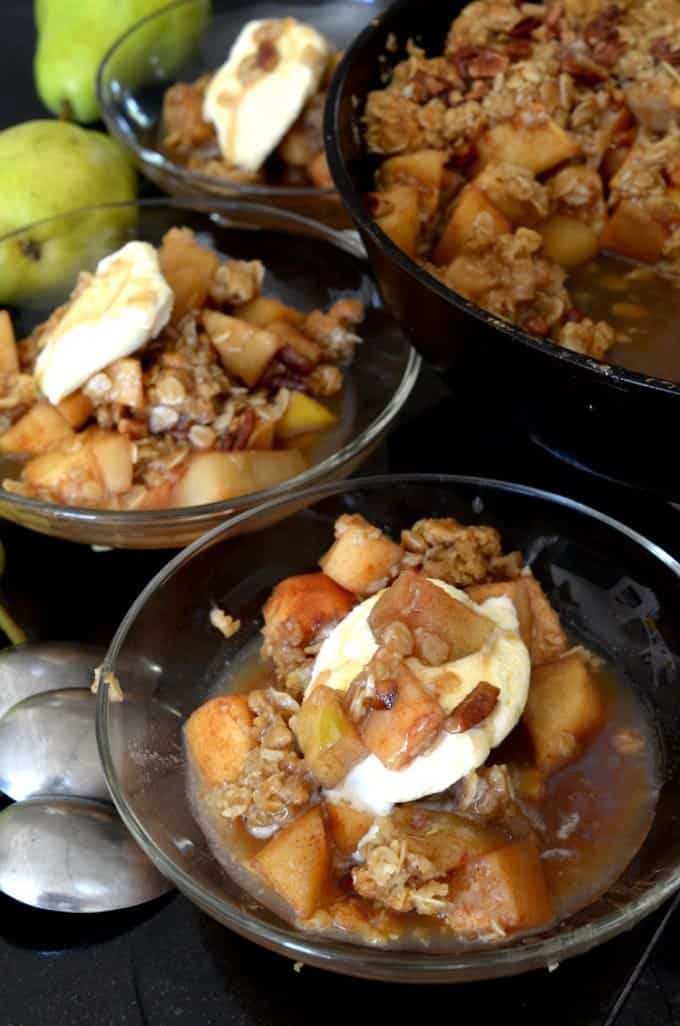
x: 273, y: 69
x: 123, y: 305
x: 503, y: 661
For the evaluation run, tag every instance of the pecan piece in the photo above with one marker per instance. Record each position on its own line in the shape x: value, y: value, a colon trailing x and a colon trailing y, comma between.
x: 479, y: 704
x: 295, y: 361
x: 608, y: 53
x: 603, y: 27
x: 238, y: 435
x: 488, y: 64
x: 524, y: 27
x: 461, y: 57
x: 577, y: 62
x: 518, y: 49
x: 662, y: 50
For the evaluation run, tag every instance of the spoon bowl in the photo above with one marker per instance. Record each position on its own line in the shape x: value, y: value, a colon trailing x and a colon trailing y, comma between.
x: 27, y: 670
x: 73, y: 855
x: 48, y: 746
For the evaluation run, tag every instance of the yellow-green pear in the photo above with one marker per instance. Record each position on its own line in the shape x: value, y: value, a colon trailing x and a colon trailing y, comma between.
x: 49, y: 168
x: 75, y: 35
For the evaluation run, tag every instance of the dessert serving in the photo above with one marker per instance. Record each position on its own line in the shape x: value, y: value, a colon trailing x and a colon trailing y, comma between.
x: 168, y: 379
x: 258, y: 118
x: 531, y: 159
x: 418, y: 754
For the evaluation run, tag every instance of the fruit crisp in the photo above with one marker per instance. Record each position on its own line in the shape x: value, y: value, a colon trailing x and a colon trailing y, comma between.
x: 416, y: 755
x: 199, y: 388
x: 542, y: 135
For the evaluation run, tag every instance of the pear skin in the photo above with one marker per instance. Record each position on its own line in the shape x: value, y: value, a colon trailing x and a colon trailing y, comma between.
x: 48, y: 168
x: 75, y: 35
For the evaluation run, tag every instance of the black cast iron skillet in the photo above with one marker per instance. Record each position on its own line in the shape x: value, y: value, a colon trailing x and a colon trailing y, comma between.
x: 614, y: 422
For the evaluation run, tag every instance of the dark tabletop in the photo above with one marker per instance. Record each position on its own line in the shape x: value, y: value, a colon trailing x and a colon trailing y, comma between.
x: 167, y: 962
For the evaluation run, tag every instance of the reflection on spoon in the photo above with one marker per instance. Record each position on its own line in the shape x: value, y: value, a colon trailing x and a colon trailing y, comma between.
x: 30, y: 669
x: 73, y: 855
x: 48, y: 746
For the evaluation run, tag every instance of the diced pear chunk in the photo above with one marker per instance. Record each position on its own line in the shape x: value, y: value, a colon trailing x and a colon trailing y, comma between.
x: 505, y: 888
x: 9, y: 357
x: 347, y: 826
x: 188, y: 268
x: 244, y: 349
x: 633, y: 233
x: 407, y: 724
x: 518, y: 207
x: 219, y: 736
x: 296, y: 863
x: 113, y: 453
x: 563, y: 708
x: 463, y: 223
x: 213, y: 477
x: 260, y: 312
x: 538, y: 146
x: 304, y: 414
x: 421, y: 170
x: 445, y: 838
x: 271, y: 468
x: 397, y: 215
x: 539, y: 624
x: 42, y: 428
x: 568, y: 241
x: 548, y: 640
x: 362, y: 558
x: 76, y: 409
x: 307, y: 601
x: 327, y: 737
x: 423, y: 606
x: 70, y: 473
x: 218, y: 476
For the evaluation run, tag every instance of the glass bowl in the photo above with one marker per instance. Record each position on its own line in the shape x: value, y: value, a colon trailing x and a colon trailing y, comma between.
x: 615, y: 590
x: 141, y: 65
x: 308, y: 265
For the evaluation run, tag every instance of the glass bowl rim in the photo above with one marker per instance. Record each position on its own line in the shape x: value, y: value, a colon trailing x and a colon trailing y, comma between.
x: 352, y: 198
x: 355, y: 959
x: 155, y: 158
x: 214, y: 208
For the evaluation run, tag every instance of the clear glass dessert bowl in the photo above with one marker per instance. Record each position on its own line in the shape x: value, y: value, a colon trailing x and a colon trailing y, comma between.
x: 307, y: 265
x: 143, y: 63
x: 614, y: 590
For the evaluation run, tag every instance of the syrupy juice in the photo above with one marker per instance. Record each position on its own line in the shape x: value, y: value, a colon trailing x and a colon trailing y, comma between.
x: 589, y: 820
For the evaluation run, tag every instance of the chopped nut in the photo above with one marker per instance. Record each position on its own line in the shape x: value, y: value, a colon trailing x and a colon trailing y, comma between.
x: 115, y: 692
x: 225, y: 624
x: 474, y: 708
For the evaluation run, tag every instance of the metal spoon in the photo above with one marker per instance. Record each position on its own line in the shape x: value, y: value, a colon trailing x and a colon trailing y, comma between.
x: 73, y: 855
x: 48, y: 746
x: 30, y: 669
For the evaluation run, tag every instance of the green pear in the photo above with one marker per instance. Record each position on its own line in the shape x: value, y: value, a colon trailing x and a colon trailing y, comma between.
x: 75, y: 35
x: 48, y: 168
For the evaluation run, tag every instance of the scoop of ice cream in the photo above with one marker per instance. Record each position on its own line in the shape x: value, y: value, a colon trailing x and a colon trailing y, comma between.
x: 502, y: 661
x: 273, y: 69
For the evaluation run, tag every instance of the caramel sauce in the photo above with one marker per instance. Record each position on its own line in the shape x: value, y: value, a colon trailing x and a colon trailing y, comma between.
x: 590, y: 821
x: 645, y: 309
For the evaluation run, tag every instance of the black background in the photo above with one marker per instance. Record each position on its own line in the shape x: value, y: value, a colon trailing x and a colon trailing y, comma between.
x: 168, y: 963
